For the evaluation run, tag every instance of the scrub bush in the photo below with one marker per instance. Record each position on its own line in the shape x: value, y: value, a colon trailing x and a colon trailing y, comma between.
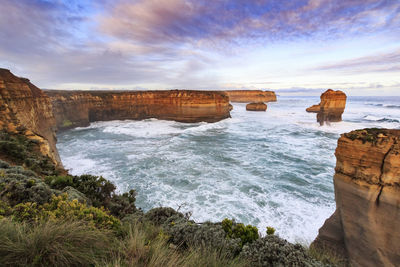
x: 247, y: 234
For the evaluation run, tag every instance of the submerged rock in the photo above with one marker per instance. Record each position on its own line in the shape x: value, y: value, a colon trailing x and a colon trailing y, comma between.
x: 331, y: 107
x: 364, y: 226
x: 260, y: 106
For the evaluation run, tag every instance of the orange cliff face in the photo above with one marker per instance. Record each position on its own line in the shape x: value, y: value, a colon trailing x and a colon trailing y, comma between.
x: 331, y: 107
x: 79, y: 108
x: 247, y: 96
x: 24, y: 107
x: 367, y: 190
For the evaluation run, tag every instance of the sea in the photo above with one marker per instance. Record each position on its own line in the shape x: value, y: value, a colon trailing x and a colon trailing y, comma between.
x: 272, y: 168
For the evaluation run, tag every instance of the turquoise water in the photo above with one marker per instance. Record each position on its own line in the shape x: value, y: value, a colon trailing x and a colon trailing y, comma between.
x: 271, y: 168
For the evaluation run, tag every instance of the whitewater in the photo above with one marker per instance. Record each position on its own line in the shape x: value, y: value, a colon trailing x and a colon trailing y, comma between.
x: 272, y: 168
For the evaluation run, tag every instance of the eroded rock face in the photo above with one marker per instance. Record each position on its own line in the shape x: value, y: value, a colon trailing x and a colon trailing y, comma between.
x: 331, y: 107
x: 26, y: 108
x: 260, y: 106
x: 79, y: 108
x: 247, y: 96
x: 364, y: 226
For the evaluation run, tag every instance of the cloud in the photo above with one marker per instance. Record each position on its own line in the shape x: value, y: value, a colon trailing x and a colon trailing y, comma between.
x: 384, y: 62
x: 198, y: 22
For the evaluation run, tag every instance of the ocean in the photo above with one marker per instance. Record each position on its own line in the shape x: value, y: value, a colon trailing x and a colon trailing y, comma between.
x: 272, y: 168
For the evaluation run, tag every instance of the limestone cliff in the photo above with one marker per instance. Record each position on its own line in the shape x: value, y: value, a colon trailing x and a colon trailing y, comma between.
x: 367, y: 191
x: 259, y: 106
x: 79, y: 108
x: 25, y: 108
x: 247, y: 96
x: 331, y: 107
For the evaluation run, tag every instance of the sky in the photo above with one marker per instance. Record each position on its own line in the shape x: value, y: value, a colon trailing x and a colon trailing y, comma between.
x: 299, y: 47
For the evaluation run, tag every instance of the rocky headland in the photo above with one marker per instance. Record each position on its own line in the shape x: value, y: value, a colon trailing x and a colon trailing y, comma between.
x: 259, y: 106
x: 331, y: 107
x: 247, y: 96
x: 79, y: 108
x: 25, y: 108
x: 364, y: 226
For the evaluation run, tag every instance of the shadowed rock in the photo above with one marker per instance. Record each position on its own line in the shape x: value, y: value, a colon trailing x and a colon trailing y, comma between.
x: 364, y: 226
x: 260, y: 106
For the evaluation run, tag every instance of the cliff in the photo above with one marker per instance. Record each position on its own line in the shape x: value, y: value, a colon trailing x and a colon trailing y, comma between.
x: 259, y: 106
x: 331, y: 107
x: 25, y: 108
x: 364, y: 226
x: 79, y: 108
x: 247, y: 96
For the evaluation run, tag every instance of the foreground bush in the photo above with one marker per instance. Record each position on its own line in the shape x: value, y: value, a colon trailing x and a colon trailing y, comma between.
x: 52, y: 244
x: 100, y: 191
x: 272, y: 250
x: 59, y: 208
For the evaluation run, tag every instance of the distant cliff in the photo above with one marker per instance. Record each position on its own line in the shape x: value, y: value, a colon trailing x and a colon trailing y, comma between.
x: 25, y: 108
x: 247, y: 96
x: 367, y: 190
x: 79, y: 108
x: 331, y: 107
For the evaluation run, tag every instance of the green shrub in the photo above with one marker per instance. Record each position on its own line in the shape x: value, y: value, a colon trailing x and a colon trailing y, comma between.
x: 270, y: 230
x: 247, y: 234
x: 59, y: 208
x: 18, y: 149
x: 100, y: 191
x: 160, y: 215
x: 18, y: 185
x: 272, y: 250
x: 52, y: 243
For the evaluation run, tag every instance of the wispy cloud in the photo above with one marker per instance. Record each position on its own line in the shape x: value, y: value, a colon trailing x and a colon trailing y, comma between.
x: 386, y: 62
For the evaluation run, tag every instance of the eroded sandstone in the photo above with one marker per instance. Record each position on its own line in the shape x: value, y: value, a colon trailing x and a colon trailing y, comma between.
x: 331, y: 107
x: 79, y: 108
x: 247, y: 96
x: 364, y: 226
x: 259, y: 106
x: 25, y: 108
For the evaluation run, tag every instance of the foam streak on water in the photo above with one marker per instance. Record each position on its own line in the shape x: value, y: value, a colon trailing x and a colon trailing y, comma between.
x: 271, y: 168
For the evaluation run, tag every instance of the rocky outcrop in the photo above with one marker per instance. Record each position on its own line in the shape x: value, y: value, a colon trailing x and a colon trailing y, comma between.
x: 247, y: 96
x: 25, y: 108
x: 331, y: 107
x: 259, y: 106
x: 79, y: 108
x: 364, y: 226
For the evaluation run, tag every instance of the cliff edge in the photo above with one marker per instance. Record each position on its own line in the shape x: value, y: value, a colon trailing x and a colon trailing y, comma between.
x: 247, y: 96
x: 79, y: 108
x: 25, y: 108
x: 364, y: 226
x: 331, y: 107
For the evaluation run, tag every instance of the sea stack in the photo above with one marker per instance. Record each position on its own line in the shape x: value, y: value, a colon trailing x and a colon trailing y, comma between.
x: 259, y: 106
x: 26, y: 109
x: 331, y: 107
x: 248, y: 96
x: 365, y: 226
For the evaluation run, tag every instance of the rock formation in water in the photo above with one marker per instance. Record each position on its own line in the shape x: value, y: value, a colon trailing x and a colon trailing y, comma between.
x: 331, y: 107
x: 247, y: 96
x: 259, y: 106
x: 25, y: 108
x: 79, y: 108
x: 365, y: 226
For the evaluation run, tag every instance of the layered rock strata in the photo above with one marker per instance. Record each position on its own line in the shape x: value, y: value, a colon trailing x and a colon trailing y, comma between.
x: 79, y: 108
x: 259, y: 106
x: 331, y: 107
x: 247, y: 96
x: 364, y: 226
x: 25, y: 108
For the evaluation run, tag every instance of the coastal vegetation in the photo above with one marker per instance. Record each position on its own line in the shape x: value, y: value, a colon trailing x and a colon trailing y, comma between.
x: 48, y: 217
